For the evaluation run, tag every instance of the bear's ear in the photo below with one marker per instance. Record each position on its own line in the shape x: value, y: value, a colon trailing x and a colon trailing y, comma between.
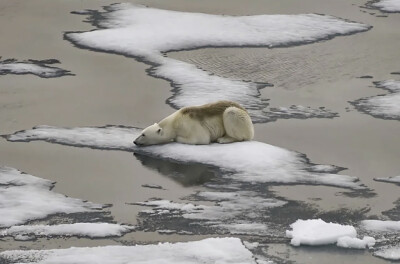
x: 159, y: 131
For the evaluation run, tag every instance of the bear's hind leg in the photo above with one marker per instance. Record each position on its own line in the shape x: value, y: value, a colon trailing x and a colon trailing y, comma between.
x: 237, y: 124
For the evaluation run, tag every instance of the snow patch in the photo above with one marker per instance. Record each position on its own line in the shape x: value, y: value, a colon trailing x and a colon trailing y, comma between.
x: 38, y: 68
x: 356, y: 243
x: 212, y: 250
x: 394, y: 179
x: 92, y: 230
x: 244, y: 161
x: 24, y: 197
x: 390, y: 6
x: 390, y: 253
x: 382, y: 106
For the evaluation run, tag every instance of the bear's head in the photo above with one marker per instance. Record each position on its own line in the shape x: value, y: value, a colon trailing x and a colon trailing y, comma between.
x: 152, y: 135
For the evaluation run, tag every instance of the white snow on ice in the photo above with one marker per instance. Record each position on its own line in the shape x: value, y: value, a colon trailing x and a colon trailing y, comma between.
x: 356, y: 243
x: 382, y: 106
x: 147, y: 33
x: 315, y: 232
x: 388, y: 5
x: 394, y: 179
x: 30, y: 67
x: 381, y: 226
x: 390, y: 253
x: 25, y: 197
x: 207, y: 251
x: 244, y: 161
x: 92, y: 230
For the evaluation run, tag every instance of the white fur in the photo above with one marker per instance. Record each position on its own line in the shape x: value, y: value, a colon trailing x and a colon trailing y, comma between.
x: 234, y: 124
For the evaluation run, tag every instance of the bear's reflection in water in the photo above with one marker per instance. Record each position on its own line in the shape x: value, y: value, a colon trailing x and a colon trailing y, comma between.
x: 184, y: 173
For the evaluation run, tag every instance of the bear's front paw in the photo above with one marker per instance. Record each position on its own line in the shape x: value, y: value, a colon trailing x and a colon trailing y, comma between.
x: 225, y: 140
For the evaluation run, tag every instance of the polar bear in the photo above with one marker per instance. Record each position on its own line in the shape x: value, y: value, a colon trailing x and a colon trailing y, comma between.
x: 222, y: 122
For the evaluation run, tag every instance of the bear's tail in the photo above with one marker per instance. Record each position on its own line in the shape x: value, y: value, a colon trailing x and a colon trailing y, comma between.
x: 238, y: 124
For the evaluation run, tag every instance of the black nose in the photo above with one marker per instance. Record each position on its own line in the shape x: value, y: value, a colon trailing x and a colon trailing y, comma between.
x: 134, y: 142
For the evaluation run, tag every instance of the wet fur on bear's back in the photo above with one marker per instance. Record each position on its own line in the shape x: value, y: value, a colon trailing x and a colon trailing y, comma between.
x: 209, y: 110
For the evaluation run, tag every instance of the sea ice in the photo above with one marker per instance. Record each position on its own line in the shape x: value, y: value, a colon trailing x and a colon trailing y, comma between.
x: 381, y: 226
x: 394, y: 179
x: 315, y: 232
x: 390, y: 253
x: 208, y: 251
x: 92, y: 230
x: 25, y: 197
x: 390, y: 6
x: 245, y: 161
x: 353, y: 242
x: 38, y: 68
x: 147, y: 33
x: 382, y: 106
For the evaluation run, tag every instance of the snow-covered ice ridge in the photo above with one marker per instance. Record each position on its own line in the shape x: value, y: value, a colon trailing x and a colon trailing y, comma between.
x: 92, y: 230
x: 394, y: 179
x: 389, y: 6
x: 148, y: 33
x: 24, y: 197
x: 208, y: 251
x: 253, y: 162
x: 386, y: 106
x: 314, y: 232
x: 36, y: 67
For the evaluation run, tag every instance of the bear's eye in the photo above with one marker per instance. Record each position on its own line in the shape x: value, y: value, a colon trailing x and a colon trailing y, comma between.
x: 143, y: 135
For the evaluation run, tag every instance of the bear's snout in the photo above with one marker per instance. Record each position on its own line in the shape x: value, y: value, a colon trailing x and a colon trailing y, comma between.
x: 137, y: 143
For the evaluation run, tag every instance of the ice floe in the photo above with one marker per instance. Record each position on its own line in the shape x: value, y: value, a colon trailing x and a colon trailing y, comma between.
x: 35, y: 67
x: 24, y: 197
x: 386, y: 106
x: 315, y: 232
x: 381, y: 226
x: 389, y: 253
x: 390, y: 6
x: 394, y: 179
x: 92, y: 230
x: 147, y: 33
x: 253, y: 161
x: 212, y: 250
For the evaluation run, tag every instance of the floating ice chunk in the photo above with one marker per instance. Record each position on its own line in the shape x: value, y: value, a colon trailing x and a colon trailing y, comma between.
x: 38, y: 68
x: 315, y: 232
x: 92, y: 230
x: 208, y: 251
x: 147, y: 33
x: 381, y: 226
x: 108, y: 137
x: 25, y: 197
x: 245, y: 161
x: 353, y: 242
x: 390, y: 6
x: 382, y: 106
x: 390, y: 253
x: 394, y: 179
x: 223, y: 215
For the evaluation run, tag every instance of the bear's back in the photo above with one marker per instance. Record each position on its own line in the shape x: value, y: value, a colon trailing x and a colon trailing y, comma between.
x: 202, y: 112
